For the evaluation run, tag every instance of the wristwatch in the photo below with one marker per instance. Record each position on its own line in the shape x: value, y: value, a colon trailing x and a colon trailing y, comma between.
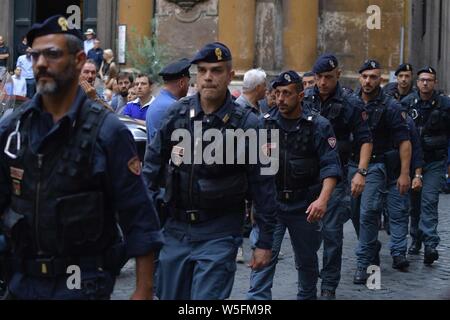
x: 418, y: 176
x: 363, y: 172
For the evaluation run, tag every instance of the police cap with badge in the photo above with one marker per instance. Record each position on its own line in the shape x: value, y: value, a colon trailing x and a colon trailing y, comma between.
x: 212, y: 53
x: 176, y: 70
x: 54, y: 25
x: 286, y: 78
x: 325, y: 63
x: 429, y: 70
x: 404, y: 67
x: 370, y: 64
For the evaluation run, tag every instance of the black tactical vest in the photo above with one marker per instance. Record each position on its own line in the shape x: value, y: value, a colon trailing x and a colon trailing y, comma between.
x: 433, y: 128
x: 299, y: 162
x: 209, y: 187
x: 379, y: 128
x: 57, y: 206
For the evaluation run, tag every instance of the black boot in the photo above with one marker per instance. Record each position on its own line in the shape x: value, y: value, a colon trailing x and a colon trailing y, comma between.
x: 430, y: 256
x: 400, y: 263
x: 361, y: 276
x: 416, y: 245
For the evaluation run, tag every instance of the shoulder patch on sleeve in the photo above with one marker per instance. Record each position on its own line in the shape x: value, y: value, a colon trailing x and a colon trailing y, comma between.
x: 332, y: 142
x: 135, y: 166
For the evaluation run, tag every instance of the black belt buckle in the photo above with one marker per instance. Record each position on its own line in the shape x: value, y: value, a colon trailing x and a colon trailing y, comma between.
x: 46, y: 266
x: 288, y: 195
x: 193, y: 216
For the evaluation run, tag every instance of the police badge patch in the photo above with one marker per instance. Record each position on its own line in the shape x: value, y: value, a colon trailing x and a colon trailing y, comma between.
x: 135, y: 166
x: 365, y: 116
x: 177, y: 155
x: 332, y: 142
x: 267, y: 149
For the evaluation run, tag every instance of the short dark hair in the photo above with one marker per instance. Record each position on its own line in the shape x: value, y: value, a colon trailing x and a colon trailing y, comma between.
x: 90, y: 61
x: 74, y: 44
x: 145, y: 75
x: 299, y: 88
x: 125, y: 75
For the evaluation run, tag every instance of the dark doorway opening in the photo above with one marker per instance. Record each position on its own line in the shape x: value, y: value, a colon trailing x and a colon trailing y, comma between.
x: 48, y: 8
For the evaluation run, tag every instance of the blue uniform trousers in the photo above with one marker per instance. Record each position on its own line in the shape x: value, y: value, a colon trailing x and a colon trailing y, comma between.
x: 202, y: 270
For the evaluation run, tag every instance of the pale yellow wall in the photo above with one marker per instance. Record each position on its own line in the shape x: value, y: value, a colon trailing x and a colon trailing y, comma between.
x: 300, y: 34
x: 237, y: 30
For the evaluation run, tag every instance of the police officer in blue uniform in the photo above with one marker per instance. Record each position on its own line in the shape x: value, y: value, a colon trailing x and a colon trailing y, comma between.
x: 71, y: 191
x: 309, y: 171
x: 404, y: 85
x: 431, y: 113
x: 389, y: 172
x: 346, y: 113
x: 205, y: 202
x: 176, y: 77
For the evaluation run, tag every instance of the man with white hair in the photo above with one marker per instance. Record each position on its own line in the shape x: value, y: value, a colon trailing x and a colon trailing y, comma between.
x: 253, y: 90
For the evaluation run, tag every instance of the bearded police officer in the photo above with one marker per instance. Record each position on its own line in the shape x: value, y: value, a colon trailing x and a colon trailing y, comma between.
x: 431, y: 113
x: 309, y: 170
x: 389, y: 171
x: 346, y: 113
x: 71, y: 193
x: 205, y: 200
x: 404, y: 85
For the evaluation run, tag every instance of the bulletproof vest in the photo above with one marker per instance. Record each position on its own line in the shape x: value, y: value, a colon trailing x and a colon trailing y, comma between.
x: 56, y: 201
x: 299, y: 162
x: 334, y: 112
x: 432, y: 124
x: 379, y: 127
x: 210, y: 186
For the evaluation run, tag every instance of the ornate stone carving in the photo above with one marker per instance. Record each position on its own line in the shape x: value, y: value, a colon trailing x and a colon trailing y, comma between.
x: 186, y: 5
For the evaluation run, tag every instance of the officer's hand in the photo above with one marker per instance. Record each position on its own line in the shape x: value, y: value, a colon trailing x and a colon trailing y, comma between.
x: 358, y: 184
x: 141, y: 295
x: 260, y: 258
x: 403, y: 184
x: 316, y: 210
x: 417, y: 184
x: 88, y: 89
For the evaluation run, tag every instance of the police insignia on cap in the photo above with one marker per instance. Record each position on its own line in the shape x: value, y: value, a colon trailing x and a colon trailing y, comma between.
x: 331, y: 62
x: 408, y: 67
x: 63, y: 24
x: 373, y: 64
x: 219, y: 54
x: 287, y: 77
x: 431, y: 70
x: 134, y: 165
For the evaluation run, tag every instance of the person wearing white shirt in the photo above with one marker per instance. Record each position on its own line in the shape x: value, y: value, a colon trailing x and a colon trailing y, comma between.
x: 20, y: 85
x: 26, y: 65
x: 89, y: 42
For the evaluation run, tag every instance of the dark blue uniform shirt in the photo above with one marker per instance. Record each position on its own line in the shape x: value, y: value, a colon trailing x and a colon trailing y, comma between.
x: 351, y: 125
x: 114, y: 149
x: 329, y: 162
x: 262, y: 188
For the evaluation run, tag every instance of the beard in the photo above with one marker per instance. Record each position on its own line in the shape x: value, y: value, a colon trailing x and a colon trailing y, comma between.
x: 59, y: 83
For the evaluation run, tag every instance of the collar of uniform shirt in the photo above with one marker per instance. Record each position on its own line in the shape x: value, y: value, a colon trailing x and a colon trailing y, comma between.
x: 221, y: 113
x: 71, y: 115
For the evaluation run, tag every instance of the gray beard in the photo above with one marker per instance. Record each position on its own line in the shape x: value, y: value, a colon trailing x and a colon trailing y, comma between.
x: 47, y: 88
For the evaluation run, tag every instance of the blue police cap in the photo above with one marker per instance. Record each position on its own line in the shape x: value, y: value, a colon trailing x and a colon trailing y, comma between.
x: 176, y: 70
x: 403, y: 68
x: 212, y: 53
x: 309, y: 74
x: 428, y: 69
x: 325, y: 63
x: 53, y: 25
x: 370, y: 64
x: 286, y: 78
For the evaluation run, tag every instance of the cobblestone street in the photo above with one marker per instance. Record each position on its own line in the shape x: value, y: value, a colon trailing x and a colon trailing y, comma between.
x: 420, y: 282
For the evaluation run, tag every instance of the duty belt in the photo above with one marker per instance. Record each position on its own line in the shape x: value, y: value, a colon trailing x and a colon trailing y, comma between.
x: 54, y: 267
x: 199, y: 216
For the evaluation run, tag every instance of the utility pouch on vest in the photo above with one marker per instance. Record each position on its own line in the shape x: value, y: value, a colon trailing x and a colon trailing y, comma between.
x: 306, y: 169
x: 80, y: 219
x: 16, y: 231
x: 228, y: 191
x: 393, y: 164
